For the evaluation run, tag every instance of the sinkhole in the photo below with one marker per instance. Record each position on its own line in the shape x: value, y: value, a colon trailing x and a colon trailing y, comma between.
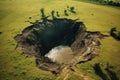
x: 59, y: 43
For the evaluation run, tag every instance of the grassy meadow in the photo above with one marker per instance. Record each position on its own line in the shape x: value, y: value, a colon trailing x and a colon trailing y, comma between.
x: 14, y: 13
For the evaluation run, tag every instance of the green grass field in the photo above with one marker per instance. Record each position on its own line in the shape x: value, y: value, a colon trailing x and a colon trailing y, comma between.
x: 14, y: 13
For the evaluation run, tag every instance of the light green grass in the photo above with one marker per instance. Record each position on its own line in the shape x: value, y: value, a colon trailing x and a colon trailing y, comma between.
x: 14, y: 13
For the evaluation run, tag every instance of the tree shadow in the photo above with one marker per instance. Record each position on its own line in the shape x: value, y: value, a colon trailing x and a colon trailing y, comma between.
x: 66, y: 13
x: 115, y: 34
x: 99, y: 71
x: 0, y: 32
x: 53, y: 14
x: 57, y: 13
x: 72, y: 10
x: 111, y: 73
x: 42, y: 12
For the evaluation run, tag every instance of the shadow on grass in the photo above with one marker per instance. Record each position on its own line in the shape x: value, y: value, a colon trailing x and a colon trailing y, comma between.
x: 0, y: 32
x: 99, y: 71
x: 65, y: 12
x: 115, y: 34
x: 72, y: 10
x: 111, y: 73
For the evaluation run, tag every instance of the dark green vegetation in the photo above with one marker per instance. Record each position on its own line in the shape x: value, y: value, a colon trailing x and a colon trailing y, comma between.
x: 104, y: 2
x: 109, y: 71
x: 115, y: 34
x: 56, y: 14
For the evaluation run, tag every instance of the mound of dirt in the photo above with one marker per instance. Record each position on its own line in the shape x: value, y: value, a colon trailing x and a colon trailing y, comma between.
x: 41, y: 37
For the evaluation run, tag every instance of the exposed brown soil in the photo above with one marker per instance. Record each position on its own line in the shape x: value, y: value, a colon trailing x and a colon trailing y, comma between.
x: 39, y: 38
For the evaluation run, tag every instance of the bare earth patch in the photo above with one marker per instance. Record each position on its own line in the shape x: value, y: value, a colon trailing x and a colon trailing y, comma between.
x: 59, y: 44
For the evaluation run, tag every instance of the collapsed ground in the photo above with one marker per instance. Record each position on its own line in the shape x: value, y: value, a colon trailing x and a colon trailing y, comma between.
x: 15, y: 12
x: 41, y: 37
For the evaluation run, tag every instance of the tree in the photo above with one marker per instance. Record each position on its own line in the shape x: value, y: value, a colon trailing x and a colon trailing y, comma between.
x: 42, y: 12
